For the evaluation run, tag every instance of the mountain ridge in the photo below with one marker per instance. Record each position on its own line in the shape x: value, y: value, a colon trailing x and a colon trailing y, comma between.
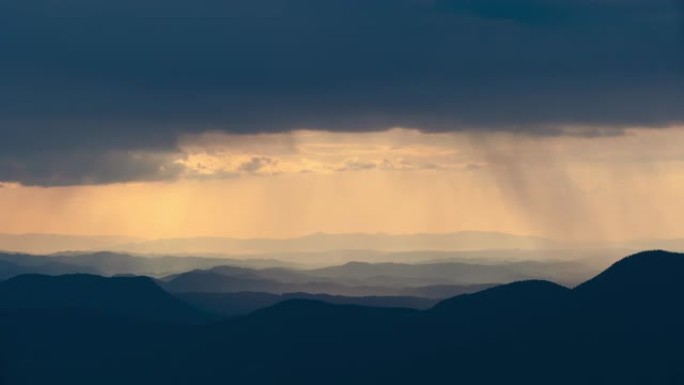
x: 136, y: 297
x: 531, y: 332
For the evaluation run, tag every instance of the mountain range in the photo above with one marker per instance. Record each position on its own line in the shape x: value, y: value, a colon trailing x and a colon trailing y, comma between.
x: 624, y: 326
x: 131, y: 297
x: 197, y: 274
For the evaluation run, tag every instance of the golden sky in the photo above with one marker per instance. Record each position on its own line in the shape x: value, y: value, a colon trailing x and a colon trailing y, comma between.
x: 620, y: 186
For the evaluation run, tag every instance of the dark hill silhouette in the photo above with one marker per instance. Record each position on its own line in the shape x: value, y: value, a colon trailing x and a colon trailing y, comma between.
x: 306, y: 314
x: 515, y: 300
x: 137, y: 297
x: 646, y: 288
x: 234, y: 304
x: 644, y: 271
x: 619, y: 328
x: 80, y: 346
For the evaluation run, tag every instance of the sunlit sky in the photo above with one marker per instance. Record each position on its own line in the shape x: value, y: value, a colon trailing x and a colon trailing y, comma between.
x: 616, y: 187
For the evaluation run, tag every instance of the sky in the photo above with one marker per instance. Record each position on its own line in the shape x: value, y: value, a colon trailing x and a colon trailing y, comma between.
x: 274, y: 118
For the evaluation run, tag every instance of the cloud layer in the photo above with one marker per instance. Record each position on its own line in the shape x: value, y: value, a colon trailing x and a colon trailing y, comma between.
x: 219, y: 154
x: 88, y: 85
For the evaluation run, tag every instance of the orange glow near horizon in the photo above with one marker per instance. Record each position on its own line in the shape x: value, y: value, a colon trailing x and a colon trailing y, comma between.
x: 398, y: 181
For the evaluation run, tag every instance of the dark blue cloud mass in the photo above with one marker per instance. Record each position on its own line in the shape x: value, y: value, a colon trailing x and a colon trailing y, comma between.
x: 88, y: 81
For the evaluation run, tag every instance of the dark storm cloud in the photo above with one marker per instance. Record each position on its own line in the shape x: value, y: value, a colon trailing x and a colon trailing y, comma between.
x: 85, y: 167
x: 86, y: 79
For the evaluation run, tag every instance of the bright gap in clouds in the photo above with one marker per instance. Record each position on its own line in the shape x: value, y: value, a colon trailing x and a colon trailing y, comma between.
x: 572, y: 188
x: 321, y: 152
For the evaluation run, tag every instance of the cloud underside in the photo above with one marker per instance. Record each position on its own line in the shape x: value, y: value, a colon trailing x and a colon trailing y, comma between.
x: 102, y: 92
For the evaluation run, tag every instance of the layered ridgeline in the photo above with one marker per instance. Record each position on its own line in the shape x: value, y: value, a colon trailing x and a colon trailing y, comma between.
x: 624, y: 326
x: 439, y: 278
x: 109, y: 263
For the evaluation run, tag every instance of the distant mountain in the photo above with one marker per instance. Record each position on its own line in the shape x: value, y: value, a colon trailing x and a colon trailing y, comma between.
x: 235, y: 280
x: 515, y: 302
x: 108, y: 263
x: 9, y: 269
x: 51, y: 243
x: 234, y: 304
x: 622, y: 327
x: 435, y: 280
x: 403, y: 274
x: 435, y: 273
x: 321, y: 242
x: 138, y: 297
x: 458, y: 271
x: 212, y: 282
x: 12, y: 265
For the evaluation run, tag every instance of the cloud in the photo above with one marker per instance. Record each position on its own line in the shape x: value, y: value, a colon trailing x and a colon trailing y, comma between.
x: 404, y: 150
x: 57, y: 168
x: 98, y: 78
x: 318, y: 152
x: 257, y: 164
